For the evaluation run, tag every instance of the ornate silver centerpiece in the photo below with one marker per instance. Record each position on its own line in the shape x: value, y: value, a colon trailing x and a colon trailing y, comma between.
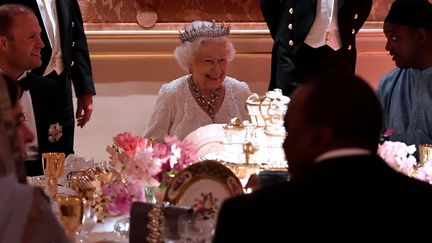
x: 268, y: 111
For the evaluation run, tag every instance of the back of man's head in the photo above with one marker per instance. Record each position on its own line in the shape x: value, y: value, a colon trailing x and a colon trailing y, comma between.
x: 328, y: 112
x: 348, y: 106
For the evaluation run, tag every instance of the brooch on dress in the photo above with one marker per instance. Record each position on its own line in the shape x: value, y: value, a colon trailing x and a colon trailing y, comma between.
x: 54, y: 132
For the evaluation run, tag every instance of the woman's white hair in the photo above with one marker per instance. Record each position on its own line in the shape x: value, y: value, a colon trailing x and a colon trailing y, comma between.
x: 186, y: 52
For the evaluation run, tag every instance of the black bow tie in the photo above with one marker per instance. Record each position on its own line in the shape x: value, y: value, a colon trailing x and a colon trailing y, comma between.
x: 25, y: 83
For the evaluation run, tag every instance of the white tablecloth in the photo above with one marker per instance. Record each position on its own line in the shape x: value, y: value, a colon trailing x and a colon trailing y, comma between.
x: 104, y: 232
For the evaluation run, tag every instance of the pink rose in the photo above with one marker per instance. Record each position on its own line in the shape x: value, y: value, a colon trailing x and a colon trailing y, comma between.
x: 129, y: 143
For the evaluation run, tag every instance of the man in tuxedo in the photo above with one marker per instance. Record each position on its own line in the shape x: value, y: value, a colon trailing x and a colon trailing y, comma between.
x: 20, y: 46
x: 312, y: 36
x: 339, y: 189
x: 65, y: 58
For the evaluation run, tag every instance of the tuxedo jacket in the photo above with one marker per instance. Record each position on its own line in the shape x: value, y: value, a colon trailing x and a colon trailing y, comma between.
x: 346, y: 199
x: 47, y: 106
x: 290, y: 21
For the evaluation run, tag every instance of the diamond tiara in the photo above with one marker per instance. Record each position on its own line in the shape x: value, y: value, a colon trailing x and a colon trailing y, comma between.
x: 204, y: 30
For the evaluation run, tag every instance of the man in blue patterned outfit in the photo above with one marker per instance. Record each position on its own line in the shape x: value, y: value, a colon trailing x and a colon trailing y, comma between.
x: 406, y: 92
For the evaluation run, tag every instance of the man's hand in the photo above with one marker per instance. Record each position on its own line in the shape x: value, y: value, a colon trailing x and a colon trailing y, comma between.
x: 84, y: 109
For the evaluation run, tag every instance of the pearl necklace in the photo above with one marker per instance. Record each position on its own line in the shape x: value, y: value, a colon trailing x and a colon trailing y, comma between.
x: 208, y: 105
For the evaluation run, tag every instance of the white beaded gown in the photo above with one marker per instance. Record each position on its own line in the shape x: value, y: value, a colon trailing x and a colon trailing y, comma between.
x: 177, y: 113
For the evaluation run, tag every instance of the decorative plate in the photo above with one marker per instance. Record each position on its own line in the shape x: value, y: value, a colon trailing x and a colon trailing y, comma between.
x: 203, y: 186
x: 207, y: 139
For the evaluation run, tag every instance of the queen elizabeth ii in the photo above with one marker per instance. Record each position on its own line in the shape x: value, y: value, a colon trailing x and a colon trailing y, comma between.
x: 204, y: 96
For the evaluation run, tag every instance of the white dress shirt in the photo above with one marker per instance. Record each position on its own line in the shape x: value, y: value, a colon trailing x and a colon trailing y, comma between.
x: 325, y: 29
x: 48, y: 10
x: 342, y: 153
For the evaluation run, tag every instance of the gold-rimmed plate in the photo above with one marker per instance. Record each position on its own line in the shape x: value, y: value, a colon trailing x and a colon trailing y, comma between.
x: 203, y: 186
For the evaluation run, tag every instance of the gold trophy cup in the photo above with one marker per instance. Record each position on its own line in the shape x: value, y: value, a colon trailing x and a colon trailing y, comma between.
x: 70, y: 213
x: 54, y: 168
x: 425, y: 153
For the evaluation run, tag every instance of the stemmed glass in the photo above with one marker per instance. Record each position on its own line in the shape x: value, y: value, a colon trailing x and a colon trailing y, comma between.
x: 54, y: 168
x: 70, y: 212
x: 89, y: 221
x: 194, y: 228
x: 250, y: 145
x: 122, y: 226
x: 425, y: 153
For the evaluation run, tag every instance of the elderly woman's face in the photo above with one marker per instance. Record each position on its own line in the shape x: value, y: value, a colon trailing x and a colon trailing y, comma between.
x: 210, y: 65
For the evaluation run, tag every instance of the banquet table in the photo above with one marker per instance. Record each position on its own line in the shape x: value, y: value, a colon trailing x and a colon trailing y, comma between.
x: 101, y: 231
x: 228, y: 146
x: 213, y: 142
x: 216, y: 141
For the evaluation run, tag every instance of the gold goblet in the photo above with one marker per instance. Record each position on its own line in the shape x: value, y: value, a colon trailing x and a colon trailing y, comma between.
x: 70, y: 213
x: 425, y: 153
x: 54, y: 168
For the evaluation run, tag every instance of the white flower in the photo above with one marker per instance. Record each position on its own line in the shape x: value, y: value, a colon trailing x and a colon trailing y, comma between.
x: 424, y: 172
x: 398, y: 155
x: 175, y: 155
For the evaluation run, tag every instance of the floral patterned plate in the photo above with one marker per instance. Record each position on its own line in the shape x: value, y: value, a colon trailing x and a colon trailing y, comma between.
x: 203, y: 186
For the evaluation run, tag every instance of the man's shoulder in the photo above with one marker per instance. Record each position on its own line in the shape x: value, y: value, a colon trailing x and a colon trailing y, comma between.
x: 387, y: 80
x: 264, y: 197
x: 10, y: 187
x: 391, y: 75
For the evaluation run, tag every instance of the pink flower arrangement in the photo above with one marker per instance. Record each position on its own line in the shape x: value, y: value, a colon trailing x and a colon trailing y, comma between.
x: 143, y: 166
x: 174, y: 156
x: 121, y: 195
x: 133, y: 159
x: 424, y: 172
x: 400, y: 157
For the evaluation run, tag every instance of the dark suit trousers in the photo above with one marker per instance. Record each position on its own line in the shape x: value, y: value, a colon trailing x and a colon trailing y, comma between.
x: 64, y: 83
x: 292, y: 70
x: 316, y: 60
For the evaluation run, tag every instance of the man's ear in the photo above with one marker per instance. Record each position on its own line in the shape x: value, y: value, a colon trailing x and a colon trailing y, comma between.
x: 3, y: 42
x: 422, y: 35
